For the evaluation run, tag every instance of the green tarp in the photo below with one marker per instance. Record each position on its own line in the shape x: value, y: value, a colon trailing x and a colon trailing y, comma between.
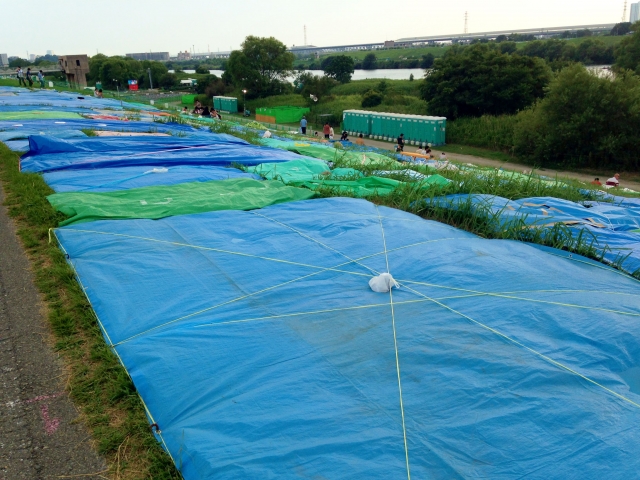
x: 38, y: 115
x: 367, y: 186
x: 330, y: 154
x: 181, y: 199
x: 293, y: 171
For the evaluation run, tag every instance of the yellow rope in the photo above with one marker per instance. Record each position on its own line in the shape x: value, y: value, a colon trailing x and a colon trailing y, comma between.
x: 541, y: 355
x: 395, y: 346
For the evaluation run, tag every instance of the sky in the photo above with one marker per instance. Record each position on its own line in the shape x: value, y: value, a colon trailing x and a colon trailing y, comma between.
x: 117, y: 27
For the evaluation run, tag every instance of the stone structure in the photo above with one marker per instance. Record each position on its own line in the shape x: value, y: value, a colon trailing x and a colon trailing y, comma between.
x: 75, y: 67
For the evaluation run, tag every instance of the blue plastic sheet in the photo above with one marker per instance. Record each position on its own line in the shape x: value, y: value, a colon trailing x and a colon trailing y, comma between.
x: 154, y: 153
x: 42, y: 145
x: 261, y: 352
x: 609, y: 226
x: 14, y: 130
x: 123, y: 178
x: 63, y: 100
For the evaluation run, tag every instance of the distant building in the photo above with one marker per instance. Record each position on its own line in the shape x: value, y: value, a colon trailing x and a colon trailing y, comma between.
x: 389, y: 44
x: 157, y: 56
x: 184, y: 55
x: 32, y: 57
x: 75, y: 67
x: 49, y: 52
x: 4, y: 60
x: 635, y: 12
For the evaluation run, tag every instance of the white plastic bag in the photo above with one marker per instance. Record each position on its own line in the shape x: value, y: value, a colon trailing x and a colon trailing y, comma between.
x: 383, y: 283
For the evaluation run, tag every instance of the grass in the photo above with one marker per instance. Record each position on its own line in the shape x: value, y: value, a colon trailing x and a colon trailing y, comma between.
x: 490, y: 132
x: 98, y: 384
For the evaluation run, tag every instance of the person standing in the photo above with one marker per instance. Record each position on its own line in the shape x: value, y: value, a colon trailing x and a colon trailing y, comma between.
x: 326, y: 130
x: 29, y: 77
x: 303, y: 125
x: 41, y: 78
x: 401, y: 143
x: 20, y: 75
x: 331, y: 133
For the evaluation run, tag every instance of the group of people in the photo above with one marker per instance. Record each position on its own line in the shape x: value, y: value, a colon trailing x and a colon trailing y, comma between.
x: 198, y: 109
x: 612, y: 182
x: 28, y: 77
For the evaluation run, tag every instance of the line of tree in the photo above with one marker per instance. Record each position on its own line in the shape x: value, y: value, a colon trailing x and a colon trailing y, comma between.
x: 116, y: 71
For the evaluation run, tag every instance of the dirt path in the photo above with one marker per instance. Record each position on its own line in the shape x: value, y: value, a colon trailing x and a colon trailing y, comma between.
x: 40, y: 435
x: 517, y: 167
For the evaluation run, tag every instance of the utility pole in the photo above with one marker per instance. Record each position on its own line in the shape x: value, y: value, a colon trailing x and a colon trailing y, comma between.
x: 624, y: 12
x: 305, y: 36
x: 150, y: 80
x: 466, y: 22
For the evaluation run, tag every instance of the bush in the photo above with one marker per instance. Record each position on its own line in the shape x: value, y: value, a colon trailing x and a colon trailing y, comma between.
x: 495, y: 133
x: 169, y: 81
x: 585, y: 121
x: 371, y: 99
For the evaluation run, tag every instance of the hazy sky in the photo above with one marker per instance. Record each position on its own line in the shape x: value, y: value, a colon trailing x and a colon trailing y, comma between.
x: 116, y: 27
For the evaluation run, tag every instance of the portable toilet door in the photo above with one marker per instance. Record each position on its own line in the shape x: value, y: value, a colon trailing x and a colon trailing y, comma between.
x: 443, y: 131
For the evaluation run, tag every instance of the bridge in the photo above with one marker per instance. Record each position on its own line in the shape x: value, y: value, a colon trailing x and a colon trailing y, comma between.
x: 429, y: 39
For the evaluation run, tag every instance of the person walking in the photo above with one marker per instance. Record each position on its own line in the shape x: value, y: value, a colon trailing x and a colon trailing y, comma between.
x: 20, y: 75
x: 29, y: 77
x: 303, y: 125
x: 401, y: 143
x: 41, y: 78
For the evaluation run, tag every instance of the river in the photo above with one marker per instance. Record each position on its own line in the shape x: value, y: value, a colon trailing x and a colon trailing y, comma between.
x: 397, y: 73
x: 391, y: 74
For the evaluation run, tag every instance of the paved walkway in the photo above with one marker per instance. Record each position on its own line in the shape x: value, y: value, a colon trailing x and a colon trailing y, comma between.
x: 40, y: 435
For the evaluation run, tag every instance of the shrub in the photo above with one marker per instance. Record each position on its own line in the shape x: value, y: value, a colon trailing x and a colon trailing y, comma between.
x: 371, y: 99
x: 585, y: 121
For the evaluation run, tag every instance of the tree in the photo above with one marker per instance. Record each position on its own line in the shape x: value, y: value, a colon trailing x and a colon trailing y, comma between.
x: 627, y: 53
x: 427, y: 61
x: 583, y: 121
x: 370, y: 62
x: 584, y: 33
x: 621, y: 29
x: 340, y: 67
x: 479, y: 79
x: 508, y: 47
x: 261, y: 66
x: 95, y: 63
x: 119, y: 70
x: 19, y: 62
x: 158, y: 70
x: 371, y: 99
x: 308, y: 84
x: 169, y: 81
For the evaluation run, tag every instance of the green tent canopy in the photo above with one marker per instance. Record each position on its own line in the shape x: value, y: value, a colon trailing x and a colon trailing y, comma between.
x: 181, y: 199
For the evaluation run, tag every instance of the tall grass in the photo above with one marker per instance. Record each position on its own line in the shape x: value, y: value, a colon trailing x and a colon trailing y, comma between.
x: 495, y: 133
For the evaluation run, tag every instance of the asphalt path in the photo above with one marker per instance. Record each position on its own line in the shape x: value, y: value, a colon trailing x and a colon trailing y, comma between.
x: 41, y: 435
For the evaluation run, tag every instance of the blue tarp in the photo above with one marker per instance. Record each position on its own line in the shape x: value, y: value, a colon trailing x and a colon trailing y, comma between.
x: 206, y: 153
x: 22, y: 129
x: 609, y: 225
x: 42, y: 145
x: 63, y: 100
x: 261, y: 352
x: 123, y: 178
